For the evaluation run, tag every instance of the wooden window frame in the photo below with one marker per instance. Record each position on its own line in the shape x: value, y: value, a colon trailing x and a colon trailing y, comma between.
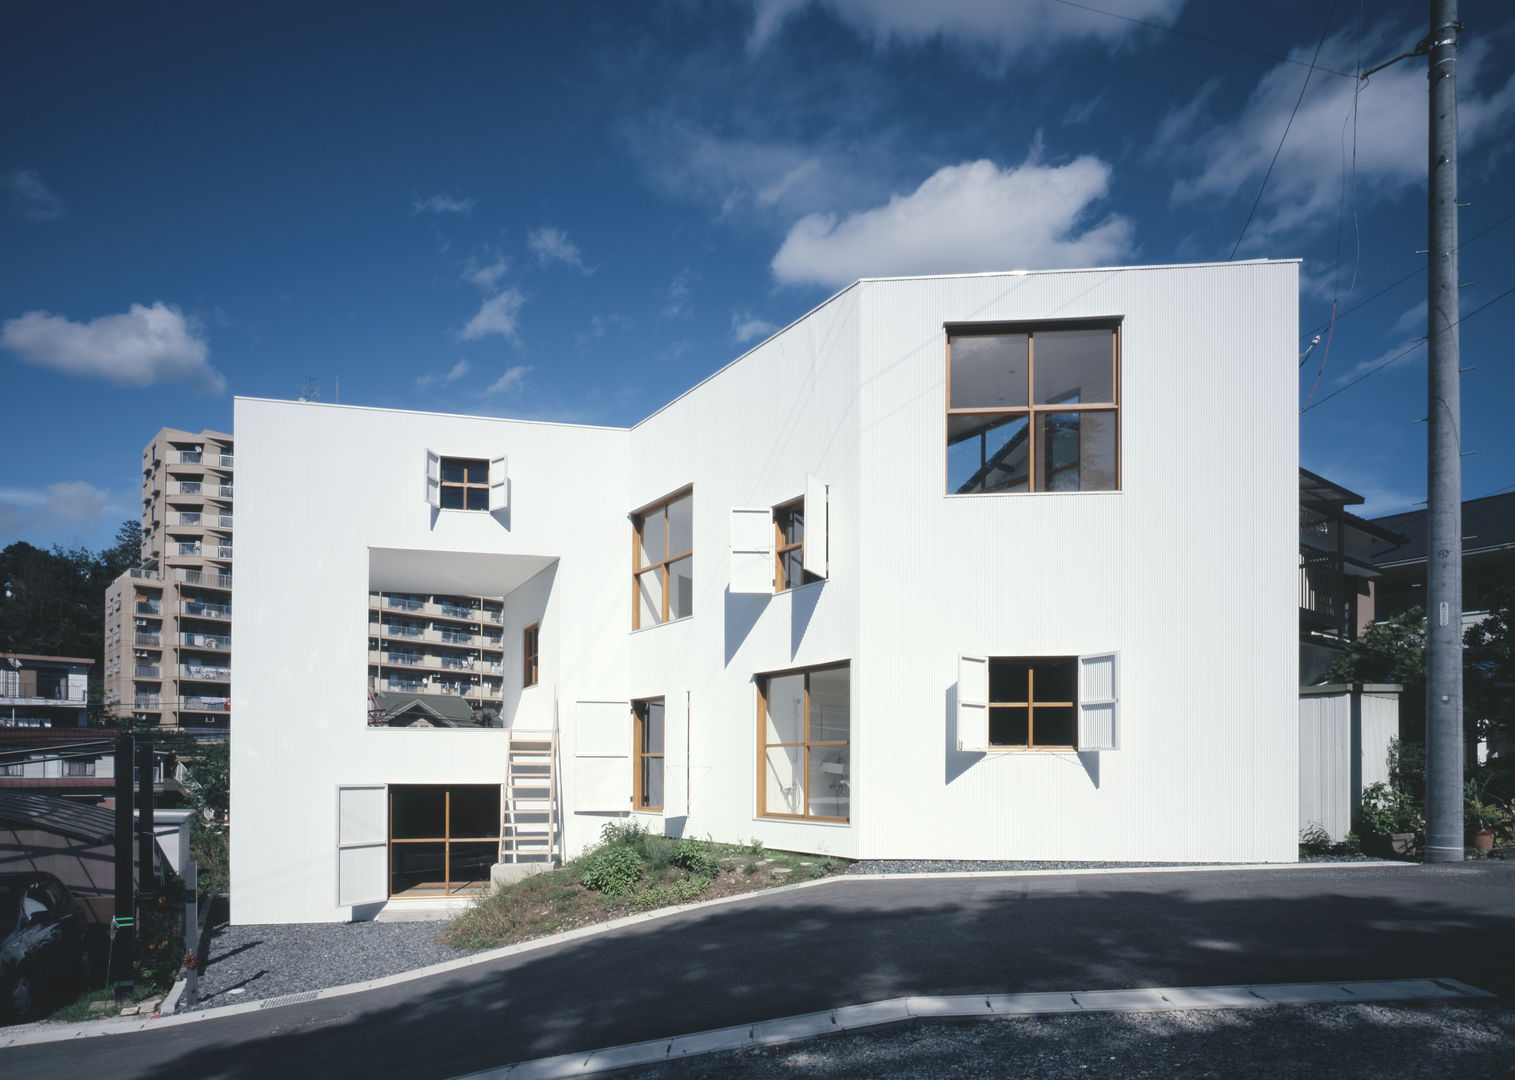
x: 1031, y: 411
x: 640, y: 755
x: 638, y: 519
x: 530, y: 645
x: 781, y: 548
x: 808, y: 744
x: 446, y: 840
x: 1032, y: 704
x: 465, y: 485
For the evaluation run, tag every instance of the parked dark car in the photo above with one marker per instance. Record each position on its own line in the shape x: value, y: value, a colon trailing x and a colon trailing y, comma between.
x: 42, y: 949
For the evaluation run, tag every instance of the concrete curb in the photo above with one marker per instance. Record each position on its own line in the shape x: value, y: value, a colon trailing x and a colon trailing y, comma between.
x: 32, y: 1034
x: 975, y: 1007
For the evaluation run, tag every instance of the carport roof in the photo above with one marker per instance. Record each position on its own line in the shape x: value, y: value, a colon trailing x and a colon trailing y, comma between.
x: 21, y: 809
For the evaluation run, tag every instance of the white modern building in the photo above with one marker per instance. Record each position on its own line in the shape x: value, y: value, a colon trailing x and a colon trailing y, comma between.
x: 992, y: 566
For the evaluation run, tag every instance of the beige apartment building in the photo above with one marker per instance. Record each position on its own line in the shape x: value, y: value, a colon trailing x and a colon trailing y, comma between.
x: 430, y: 655
x: 168, y: 623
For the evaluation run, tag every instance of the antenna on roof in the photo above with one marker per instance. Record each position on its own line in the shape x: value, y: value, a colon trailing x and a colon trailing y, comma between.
x: 310, y: 391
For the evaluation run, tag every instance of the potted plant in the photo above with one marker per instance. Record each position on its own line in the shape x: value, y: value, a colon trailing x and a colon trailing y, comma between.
x: 1391, y: 818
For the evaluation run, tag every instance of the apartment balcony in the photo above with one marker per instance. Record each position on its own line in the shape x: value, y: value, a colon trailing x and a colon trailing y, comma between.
x: 220, y: 642
x: 404, y: 603
x: 205, y: 674
x: 187, y: 548
x: 220, y: 521
x: 223, y: 551
x: 204, y: 704
x: 227, y: 461
x: 398, y: 630
x: 184, y: 518
x: 200, y: 610
x: 146, y: 671
x: 405, y: 686
x: 402, y: 659
x: 148, y: 607
x: 138, y: 574
x: 211, y: 578
x: 220, y: 491
x: 187, y: 487
x: 150, y: 640
x: 146, y: 701
x: 190, y: 457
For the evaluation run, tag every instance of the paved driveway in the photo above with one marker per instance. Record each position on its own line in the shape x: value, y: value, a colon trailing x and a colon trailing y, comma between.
x: 853, y: 941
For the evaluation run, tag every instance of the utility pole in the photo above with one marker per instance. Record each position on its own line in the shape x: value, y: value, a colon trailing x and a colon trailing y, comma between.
x: 122, y: 927
x: 1444, y: 739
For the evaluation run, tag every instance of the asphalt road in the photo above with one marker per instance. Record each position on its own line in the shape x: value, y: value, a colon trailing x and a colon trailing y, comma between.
x: 847, y: 942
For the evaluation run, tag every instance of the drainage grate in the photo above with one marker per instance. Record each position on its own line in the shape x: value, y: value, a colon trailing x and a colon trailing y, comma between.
x: 290, y: 999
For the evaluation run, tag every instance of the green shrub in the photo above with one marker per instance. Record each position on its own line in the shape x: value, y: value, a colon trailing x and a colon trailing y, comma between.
x: 159, y: 936
x: 1314, y: 840
x: 1386, y: 811
x: 631, y: 834
x: 612, y: 870
x: 692, y: 856
x: 659, y: 852
x: 663, y: 895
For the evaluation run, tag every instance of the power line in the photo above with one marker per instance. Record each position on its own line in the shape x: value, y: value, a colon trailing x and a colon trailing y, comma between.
x: 1396, y: 284
x: 1402, y: 355
x: 1201, y: 37
x: 1257, y: 201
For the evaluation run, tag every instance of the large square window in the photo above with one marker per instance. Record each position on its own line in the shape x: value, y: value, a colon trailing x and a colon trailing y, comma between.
x: 663, y: 554
x: 1033, y: 408
x: 804, y: 736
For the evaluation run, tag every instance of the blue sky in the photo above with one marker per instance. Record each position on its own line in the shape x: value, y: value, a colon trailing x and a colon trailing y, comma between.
x: 576, y: 211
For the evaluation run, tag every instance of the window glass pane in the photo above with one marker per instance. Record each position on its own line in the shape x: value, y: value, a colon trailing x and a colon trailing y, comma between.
x: 681, y: 525
x: 476, y: 472
x: 681, y: 588
x: 468, y: 865
x: 478, y: 498
x: 792, y: 525
x: 988, y: 370
x: 650, y: 597
x: 1076, y: 451
x: 475, y: 811
x: 1009, y: 725
x: 987, y: 453
x: 785, y: 720
x: 1008, y: 680
x: 418, y: 810
x: 650, y: 546
x: 794, y: 567
x: 829, y: 773
x: 652, y: 781
x: 829, y: 705
x: 1057, y: 680
x: 784, y: 780
x: 1055, y: 726
x: 1075, y: 367
x: 452, y: 498
x: 652, y: 727
x: 452, y: 470
x: 417, y: 868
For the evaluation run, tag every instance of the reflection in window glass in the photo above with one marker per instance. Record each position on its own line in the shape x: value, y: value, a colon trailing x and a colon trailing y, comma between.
x: 786, y: 709
x: 805, y: 726
x: 664, y: 580
x: 987, y: 453
x: 989, y: 371
x: 1075, y: 367
x: 681, y: 525
x: 647, y: 738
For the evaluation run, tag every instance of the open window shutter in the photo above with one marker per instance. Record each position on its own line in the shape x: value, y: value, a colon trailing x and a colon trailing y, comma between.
x: 602, y: 757
x: 973, y: 703
x: 817, y: 527
x: 433, y: 479
x: 362, y: 845
x: 499, y: 484
x: 751, y: 550
x: 1098, y: 702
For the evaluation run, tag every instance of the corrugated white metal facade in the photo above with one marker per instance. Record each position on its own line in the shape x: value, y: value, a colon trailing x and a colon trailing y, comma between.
x: 1186, y: 575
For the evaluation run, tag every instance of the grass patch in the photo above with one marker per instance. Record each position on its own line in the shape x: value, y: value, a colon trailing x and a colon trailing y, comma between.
x: 628, y: 871
x: 87, y: 1005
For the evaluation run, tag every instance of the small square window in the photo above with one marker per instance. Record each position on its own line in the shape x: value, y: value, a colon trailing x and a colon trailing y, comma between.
x: 465, y: 484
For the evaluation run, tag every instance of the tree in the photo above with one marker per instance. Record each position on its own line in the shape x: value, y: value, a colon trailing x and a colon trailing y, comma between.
x: 1489, y: 672
x: 126, y: 553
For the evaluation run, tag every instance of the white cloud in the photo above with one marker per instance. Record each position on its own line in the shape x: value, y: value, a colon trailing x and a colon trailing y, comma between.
x: 485, y: 271
x: 461, y: 368
x: 1414, y: 319
x: 497, y: 315
x: 1305, y: 187
x: 146, y: 345
x: 551, y: 245
x: 677, y: 306
x: 747, y: 327
x: 993, y: 26
x: 30, y: 198
x: 443, y: 204
x: 70, y: 504
x: 510, y: 382
x: 968, y: 217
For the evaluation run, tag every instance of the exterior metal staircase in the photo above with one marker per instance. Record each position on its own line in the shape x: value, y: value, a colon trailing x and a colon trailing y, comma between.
x: 529, y: 822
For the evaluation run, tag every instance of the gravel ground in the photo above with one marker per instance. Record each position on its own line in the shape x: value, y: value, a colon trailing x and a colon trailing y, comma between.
x: 1466, y: 1042
x: 250, y: 963
x: 959, y: 866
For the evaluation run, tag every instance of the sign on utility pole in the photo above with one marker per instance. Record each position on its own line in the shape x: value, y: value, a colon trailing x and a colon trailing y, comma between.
x: 1444, y: 740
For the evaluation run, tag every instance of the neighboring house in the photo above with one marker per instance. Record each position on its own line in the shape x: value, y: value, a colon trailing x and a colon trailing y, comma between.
x: 1336, y: 573
x: 430, y: 710
x: 168, y: 623
x: 1488, y: 557
x: 44, y: 691
x: 74, y: 763
x: 960, y: 567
